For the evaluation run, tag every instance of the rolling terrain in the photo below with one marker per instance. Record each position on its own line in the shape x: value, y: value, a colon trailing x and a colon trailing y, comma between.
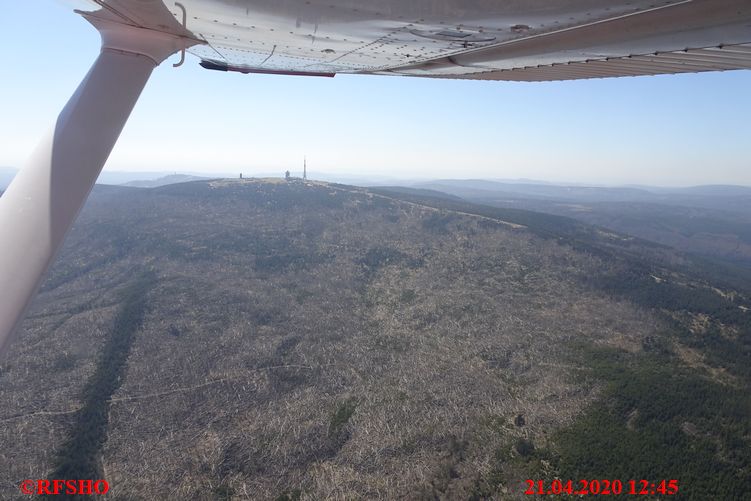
x: 262, y: 339
x: 710, y: 221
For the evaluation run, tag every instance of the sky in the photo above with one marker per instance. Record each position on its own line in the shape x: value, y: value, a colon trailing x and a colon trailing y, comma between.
x: 675, y: 130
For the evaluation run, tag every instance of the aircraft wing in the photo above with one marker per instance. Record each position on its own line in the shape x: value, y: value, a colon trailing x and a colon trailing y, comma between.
x: 523, y: 40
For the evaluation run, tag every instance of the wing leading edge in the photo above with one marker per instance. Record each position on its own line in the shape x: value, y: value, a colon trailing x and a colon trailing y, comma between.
x: 534, y: 40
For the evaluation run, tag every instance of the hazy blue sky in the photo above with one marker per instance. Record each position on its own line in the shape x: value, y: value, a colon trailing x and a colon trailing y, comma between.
x: 666, y: 130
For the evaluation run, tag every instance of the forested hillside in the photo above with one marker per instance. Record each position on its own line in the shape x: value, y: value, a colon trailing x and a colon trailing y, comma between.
x: 262, y: 339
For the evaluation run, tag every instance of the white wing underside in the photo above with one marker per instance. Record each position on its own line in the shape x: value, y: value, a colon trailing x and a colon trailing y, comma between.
x: 521, y: 40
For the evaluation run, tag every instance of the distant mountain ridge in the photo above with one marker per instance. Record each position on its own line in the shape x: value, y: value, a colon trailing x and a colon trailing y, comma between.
x: 582, y: 193
x: 712, y: 220
x: 164, y: 181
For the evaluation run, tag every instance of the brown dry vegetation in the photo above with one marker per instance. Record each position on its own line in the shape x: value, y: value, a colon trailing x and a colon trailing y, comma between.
x: 306, y: 339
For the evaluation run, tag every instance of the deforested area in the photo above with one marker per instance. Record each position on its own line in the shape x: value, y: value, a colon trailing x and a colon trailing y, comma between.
x: 299, y: 340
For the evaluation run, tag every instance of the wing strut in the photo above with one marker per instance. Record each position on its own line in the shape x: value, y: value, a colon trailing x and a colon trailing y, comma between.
x: 45, y: 197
